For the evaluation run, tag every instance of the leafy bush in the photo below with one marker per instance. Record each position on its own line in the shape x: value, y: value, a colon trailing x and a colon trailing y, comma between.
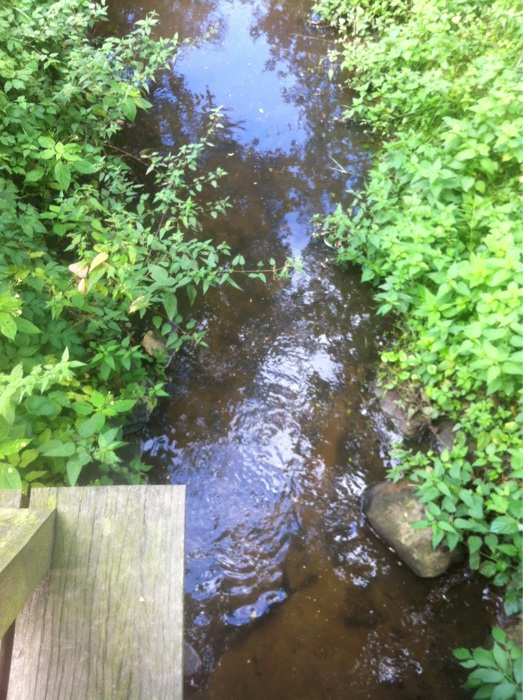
x: 439, y: 230
x: 84, y: 249
x: 359, y: 18
x: 497, y: 672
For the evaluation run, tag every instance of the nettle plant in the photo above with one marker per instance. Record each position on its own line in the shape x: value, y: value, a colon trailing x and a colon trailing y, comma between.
x: 89, y: 260
x: 438, y: 231
x: 498, y: 672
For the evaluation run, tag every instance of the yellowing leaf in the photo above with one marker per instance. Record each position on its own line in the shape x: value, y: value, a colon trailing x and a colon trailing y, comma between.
x: 98, y: 260
x: 81, y: 270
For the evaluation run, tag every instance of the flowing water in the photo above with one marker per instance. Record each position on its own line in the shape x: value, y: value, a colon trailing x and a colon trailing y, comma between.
x: 275, y: 427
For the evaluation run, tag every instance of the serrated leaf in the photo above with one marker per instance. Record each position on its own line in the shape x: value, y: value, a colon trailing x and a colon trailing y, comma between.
x: 503, y: 525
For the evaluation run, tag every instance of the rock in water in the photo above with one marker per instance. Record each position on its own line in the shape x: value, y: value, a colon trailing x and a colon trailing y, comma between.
x: 391, y: 509
x: 192, y: 663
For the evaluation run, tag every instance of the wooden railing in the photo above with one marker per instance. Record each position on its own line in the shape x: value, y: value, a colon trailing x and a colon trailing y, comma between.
x: 91, y: 594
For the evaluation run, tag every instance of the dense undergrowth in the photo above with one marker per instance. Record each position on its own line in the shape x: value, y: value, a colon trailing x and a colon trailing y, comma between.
x: 84, y: 249
x: 438, y: 229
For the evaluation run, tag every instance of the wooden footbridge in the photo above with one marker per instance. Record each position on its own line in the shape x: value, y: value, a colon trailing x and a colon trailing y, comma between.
x: 91, y: 593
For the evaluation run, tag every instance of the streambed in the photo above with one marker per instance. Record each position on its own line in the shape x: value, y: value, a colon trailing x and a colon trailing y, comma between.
x: 275, y: 427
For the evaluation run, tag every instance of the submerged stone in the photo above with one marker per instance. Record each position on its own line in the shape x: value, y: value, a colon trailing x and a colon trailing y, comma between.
x: 192, y: 663
x: 445, y: 435
x: 153, y: 343
x: 391, y: 509
x: 409, y: 426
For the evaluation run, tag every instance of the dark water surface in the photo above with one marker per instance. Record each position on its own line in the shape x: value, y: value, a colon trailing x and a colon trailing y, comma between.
x: 274, y: 427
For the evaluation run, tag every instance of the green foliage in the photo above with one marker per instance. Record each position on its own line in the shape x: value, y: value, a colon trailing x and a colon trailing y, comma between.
x: 497, y: 673
x: 359, y: 18
x: 88, y: 258
x: 438, y: 229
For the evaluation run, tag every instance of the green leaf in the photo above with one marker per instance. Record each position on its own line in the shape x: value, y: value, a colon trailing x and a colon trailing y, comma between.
x: 483, y: 657
x: 466, y: 154
x: 46, y: 142
x: 97, y: 399
x: 7, y: 408
x: 33, y: 476
x: 159, y: 274
x: 501, y: 657
x: 91, y: 426
x: 84, y: 167
x: 9, y: 477
x: 12, y: 447
x: 488, y: 569
x: 170, y: 304
x: 25, y: 326
x: 486, y: 675
x: 462, y: 654
x: 123, y: 405
x: 191, y: 293
x: 499, y: 635
x: 74, y: 467
x: 503, y: 525
x: 504, y: 691
x: 34, y: 175
x: 7, y: 325
x: 129, y: 108
x: 474, y: 543
x: 27, y: 457
x: 57, y: 448
x: 62, y: 173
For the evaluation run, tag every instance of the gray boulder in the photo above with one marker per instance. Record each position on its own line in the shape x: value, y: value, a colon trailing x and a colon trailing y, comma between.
x: 391, y: 509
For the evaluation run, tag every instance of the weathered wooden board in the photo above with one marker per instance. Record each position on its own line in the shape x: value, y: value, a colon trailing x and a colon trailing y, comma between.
x: 108, y: 622
x: 26, y: 537
x: 8, y: 499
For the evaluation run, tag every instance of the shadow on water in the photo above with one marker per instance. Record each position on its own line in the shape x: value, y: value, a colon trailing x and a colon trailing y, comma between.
x: 274, y: 427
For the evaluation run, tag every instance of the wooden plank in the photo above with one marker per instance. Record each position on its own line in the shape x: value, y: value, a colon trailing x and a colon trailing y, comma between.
x: 26, y: 538
x: 9, y: 498
x: 108, y: 623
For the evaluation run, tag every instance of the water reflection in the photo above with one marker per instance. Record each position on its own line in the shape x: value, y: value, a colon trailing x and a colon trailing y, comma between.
x: 274, y: 427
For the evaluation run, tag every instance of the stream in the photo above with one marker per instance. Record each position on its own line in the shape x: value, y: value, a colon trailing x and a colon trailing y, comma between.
x: 274, y: 426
